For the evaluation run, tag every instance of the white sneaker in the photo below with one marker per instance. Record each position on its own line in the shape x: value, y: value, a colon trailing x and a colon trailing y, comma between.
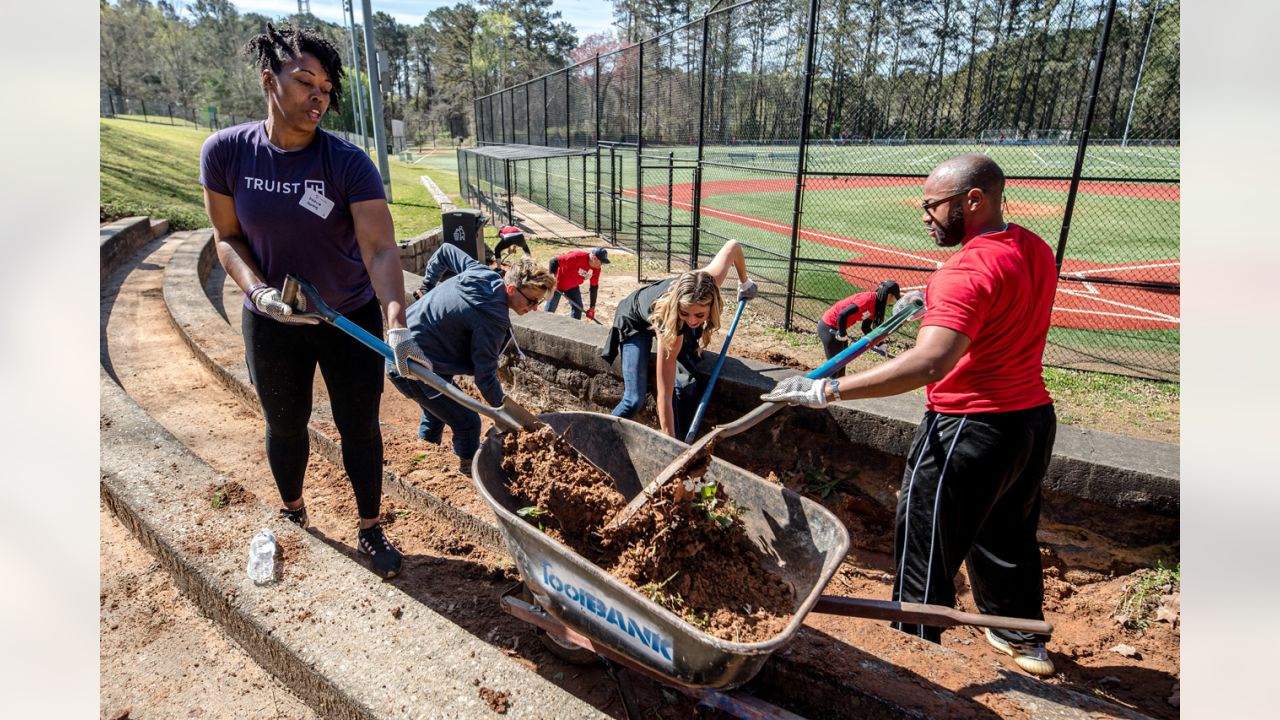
x: 1030, y: 657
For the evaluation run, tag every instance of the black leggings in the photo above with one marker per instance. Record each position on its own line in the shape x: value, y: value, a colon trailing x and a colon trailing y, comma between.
x: 282, y: 363
x: 830, y: 345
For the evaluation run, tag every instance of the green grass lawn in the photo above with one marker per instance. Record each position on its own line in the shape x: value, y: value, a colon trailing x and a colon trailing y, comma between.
x: 149, y: 169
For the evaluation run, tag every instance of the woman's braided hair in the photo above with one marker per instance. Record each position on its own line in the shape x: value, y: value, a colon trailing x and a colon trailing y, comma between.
x: 272, y: 49
x: 887, y: 288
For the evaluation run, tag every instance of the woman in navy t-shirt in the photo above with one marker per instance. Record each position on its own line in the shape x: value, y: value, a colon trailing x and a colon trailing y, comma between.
x: 286, y: 197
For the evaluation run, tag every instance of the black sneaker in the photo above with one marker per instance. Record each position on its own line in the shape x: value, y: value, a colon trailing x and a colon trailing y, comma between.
x: 297, y: 517
x: 464, y: 467
x: 384, y: 556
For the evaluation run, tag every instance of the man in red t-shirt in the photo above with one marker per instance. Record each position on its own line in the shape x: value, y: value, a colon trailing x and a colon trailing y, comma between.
x: 571, y: 270
x: 971, y: 488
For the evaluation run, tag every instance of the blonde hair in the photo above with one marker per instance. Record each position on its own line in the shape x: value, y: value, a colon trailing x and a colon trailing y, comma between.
x: 525, y: 273
x: 695, y: 287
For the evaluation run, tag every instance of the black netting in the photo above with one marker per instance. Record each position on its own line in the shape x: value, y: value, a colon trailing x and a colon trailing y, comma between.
x: 894, y: 89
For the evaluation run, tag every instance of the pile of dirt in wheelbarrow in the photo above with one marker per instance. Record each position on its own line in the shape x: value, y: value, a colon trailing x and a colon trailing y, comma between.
x: 686, y: 549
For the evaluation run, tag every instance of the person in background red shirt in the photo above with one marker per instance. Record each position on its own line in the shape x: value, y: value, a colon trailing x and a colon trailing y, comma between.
x: 971, y: 488
x: 869, y: 307
x: 571, y: 270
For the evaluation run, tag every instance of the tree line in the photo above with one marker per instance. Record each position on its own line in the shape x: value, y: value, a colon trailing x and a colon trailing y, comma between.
x: 188, y: 55
x: 910, y: 69
x: 897, y: 68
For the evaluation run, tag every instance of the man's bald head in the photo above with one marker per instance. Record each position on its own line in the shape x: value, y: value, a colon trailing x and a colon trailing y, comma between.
x: 972, y: 171
x: 962, y: 198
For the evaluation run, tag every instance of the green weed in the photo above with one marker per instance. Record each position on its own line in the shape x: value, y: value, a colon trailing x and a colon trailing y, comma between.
x: 818, y: 482
x: 1141, y: 597
x: 535, y: 512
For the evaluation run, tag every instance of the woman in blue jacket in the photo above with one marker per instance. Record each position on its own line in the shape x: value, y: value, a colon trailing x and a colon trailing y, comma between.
x: 461, y: 326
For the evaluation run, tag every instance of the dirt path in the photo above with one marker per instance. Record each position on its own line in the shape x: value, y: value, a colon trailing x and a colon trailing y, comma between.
x: 160, y: 658
x: 441, y: 564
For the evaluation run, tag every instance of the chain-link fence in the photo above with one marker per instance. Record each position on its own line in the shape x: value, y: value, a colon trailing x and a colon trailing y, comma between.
x: 805, y: 129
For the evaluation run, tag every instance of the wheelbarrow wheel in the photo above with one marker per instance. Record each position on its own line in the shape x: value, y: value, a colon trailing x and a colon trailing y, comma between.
x: 565, y: 650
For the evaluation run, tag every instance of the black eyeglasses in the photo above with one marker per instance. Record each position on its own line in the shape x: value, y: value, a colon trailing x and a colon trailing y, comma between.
x: 528, y: 299
x: 929, y: 205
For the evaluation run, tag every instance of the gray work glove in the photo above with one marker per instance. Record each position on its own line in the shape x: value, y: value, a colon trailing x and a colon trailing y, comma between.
x: 267, y: 300
x: 747, y: 290
x: 799, y: 390
x: 403, y: 347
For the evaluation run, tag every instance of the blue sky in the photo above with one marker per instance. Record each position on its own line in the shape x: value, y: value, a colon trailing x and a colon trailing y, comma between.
x: 586, y: 16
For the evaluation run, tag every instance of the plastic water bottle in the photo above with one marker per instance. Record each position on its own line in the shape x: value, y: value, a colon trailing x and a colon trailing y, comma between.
x: 262, y: 557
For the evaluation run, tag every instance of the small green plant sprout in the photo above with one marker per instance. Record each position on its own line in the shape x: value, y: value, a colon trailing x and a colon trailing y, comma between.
x: 1141, y: 598
x: 535, y: 512
x: 655, y: 592
x: 709, y: 503
x: 819, y: 483
x: 219, y: 499
x: 403, y: 513
x: 417, y: 459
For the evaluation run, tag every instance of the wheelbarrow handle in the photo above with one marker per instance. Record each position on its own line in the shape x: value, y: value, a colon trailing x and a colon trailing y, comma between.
x: 509, y: 417
x: 922, y: 614
x: 715, y: 373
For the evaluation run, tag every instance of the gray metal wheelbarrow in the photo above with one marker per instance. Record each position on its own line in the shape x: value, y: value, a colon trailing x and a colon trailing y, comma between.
x: 794, y: 537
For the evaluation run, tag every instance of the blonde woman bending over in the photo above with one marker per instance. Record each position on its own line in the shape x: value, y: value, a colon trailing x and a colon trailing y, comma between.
x: 683, y: 313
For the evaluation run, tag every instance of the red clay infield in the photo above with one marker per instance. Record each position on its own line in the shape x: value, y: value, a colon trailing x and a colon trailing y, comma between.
x: 1085, y: 299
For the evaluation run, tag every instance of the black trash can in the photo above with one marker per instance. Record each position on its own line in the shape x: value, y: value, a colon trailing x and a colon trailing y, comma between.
x: 465, y: 229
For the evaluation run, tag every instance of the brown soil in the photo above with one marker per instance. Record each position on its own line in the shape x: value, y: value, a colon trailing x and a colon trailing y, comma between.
x: 442, y: 563
x: 686, y: 548
x: 1085, y: 576
x: 159, y: 657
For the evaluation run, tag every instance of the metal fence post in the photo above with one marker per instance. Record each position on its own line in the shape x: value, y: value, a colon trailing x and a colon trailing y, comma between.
x: 671, y: 183
x: 506, y: 172
x: 1084, y: 134
x: 694, y: 232
x: 597, y: 143
x: 639, y: 160
x: 144, y: 110
x: 546, y: 101
x: 805, y: 109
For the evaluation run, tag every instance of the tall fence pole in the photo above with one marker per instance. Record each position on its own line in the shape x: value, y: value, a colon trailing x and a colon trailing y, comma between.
x: 546, y: 102
x: 355, y: 67
x: 695, y: 231
x: 375, y: 100
x: 597, y: 143
x: 639, y: 159
x: 801, y: 158
x: 1124, y: 142
x: 1084, y: 134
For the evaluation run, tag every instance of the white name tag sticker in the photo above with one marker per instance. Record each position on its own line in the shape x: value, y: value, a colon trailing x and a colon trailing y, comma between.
x: 316, y: 203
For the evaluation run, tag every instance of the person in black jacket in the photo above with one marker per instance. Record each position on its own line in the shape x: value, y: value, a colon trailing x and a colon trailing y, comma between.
x: 460, y: 327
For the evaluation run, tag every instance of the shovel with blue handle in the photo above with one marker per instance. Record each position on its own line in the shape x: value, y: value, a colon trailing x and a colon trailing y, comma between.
x: 299, y: 293
x: 715, y: 373
x: 694, y: 459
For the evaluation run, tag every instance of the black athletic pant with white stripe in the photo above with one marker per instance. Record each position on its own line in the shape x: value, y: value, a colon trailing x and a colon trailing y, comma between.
x: 971, y: 493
